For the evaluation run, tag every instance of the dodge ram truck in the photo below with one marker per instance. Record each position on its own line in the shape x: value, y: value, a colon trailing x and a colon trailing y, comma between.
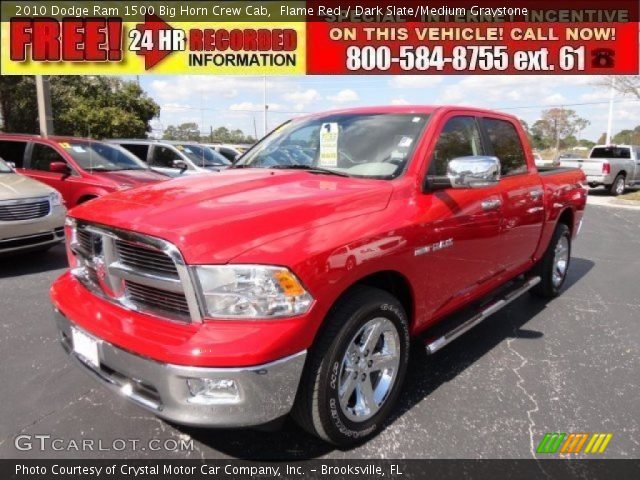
x: 293, y: 282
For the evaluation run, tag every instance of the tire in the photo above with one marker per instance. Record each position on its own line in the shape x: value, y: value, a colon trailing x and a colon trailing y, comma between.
x: 329, y: 368
x: 618, y: 186
x: 550, y: 271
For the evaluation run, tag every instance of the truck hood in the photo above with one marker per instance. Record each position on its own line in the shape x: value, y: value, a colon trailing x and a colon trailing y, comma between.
x: 14, y: 186
x: 214, y: 218
x: 133, y: 178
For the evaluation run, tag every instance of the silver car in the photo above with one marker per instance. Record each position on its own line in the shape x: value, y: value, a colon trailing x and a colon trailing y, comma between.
x: 31, y: 214
x: 615, y: 167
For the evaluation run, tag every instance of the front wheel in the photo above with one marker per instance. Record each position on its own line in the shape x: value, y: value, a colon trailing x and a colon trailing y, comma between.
x: 356, y: 368
x: 553, y: 266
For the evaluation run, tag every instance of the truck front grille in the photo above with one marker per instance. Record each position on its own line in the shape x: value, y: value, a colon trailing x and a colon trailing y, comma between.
x: 146, y: 259
x: 24, y: 209
x: 141, y: 273
x: 157, y: 299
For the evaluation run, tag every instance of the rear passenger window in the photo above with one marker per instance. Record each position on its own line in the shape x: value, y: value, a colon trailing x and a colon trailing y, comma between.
x: 460, y: 137
x: 13, y: 152
x: 42, y: 156
x: 506, y: 145
x: 139, y: 151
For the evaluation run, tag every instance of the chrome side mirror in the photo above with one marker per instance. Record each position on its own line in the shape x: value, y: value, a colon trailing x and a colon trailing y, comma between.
x: 474, y: 171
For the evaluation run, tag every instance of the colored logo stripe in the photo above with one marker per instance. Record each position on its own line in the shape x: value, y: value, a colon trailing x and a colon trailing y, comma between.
x: 573, y: 443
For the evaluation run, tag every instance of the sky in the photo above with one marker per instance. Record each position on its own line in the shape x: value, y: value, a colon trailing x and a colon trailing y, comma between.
x: 236, y: 102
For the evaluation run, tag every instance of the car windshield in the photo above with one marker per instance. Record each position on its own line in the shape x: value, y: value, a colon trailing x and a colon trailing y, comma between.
x: 611, y: 152
x: 358, y: 145
x: 4, y: 168
x: 102, y: 157
x: 203, y: 156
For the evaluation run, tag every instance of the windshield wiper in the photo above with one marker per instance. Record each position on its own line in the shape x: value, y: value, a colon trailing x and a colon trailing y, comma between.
x: 311, y: 169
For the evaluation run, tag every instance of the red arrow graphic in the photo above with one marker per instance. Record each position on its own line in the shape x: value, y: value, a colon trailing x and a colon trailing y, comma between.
x: 153, y: 55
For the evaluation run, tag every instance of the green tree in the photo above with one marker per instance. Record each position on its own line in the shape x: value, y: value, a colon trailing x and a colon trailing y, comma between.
x: 185, y: 131
x: 93, y: 106
x: 224, y: 135
x: 557, y: 126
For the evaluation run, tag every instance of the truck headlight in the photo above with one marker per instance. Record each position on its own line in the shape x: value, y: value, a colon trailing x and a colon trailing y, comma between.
x: 55, y: 199
x: 251, y: 291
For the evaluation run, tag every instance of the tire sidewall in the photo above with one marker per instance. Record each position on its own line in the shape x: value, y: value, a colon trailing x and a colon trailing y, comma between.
x: 563, y: 231
x: 614, y: 188
x: 335, y: 424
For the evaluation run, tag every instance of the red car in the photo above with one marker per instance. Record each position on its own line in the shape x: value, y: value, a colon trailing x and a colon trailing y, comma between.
x: 80, y: 169
x: 293, y: 281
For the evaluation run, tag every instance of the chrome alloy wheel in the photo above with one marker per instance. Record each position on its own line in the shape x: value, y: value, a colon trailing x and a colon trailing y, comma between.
x: 620, y: 187
x: 560, y: 261
x: 369, y: 369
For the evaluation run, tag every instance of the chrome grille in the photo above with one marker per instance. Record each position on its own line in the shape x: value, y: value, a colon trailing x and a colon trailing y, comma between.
x: 24, y: 209
x: 147, y: 259
x: 156, y: 299
x: 141, y: 273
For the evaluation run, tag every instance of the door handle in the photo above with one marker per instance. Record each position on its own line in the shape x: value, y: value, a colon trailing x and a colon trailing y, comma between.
x: 491, y: 204
x: 535, y: 194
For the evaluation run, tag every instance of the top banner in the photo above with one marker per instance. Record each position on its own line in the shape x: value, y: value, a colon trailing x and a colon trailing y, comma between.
x: 319, y: 37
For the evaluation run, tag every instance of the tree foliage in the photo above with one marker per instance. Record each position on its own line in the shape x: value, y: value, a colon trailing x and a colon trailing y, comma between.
x: 190, y: 132
x: 91, y: 106
x: 557, y: 127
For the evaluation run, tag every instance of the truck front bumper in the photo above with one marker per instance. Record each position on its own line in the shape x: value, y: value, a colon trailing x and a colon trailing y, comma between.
x: 252, y: 395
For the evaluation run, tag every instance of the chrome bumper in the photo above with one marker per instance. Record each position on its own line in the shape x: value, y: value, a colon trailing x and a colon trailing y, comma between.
x: 265, y: 392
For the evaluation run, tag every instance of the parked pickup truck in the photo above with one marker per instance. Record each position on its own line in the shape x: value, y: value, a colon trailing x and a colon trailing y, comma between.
x: 80, y: 169
x: 230, y: 300
x: 615, y: 167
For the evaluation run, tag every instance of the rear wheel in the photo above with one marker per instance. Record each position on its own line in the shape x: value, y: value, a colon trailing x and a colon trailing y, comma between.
x: 356, y: 368
x: 553, y: 266
x: 618, y: 186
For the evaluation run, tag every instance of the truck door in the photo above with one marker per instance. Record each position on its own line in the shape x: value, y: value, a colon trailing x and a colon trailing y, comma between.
x: 522, y: 194
x: 636, y: 177
x: 458, y: 235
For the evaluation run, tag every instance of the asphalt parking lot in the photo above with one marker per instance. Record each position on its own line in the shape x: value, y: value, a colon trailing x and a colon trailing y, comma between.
x: 570, y: 365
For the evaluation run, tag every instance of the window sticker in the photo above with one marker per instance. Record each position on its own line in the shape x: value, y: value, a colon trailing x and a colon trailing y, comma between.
x: 188, y: 150
x: 405, y: 142
x: 65, y: 145
x: 329, y: 145
x: 180, y: 147
x: 78, y: 148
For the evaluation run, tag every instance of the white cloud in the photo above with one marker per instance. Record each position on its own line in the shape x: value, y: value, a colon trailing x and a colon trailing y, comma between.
x: 399, y: 101
x: 414, y: 81
x: 302, y: 97
x: 554, y: 99
x: 250, y: 106
x: 344, y: 96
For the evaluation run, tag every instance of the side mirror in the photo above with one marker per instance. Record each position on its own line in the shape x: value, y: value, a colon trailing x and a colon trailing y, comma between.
x: 181, y: 164
x: 58, y: 167
x: 474, y: 171
x: 12, y: 165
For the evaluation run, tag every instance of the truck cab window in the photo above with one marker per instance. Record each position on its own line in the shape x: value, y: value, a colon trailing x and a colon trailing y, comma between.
x: 42, y: 156
x: 460, y: 137
x: 506, y: 145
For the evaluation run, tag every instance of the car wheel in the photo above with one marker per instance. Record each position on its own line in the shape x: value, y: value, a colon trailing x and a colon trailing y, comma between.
x: 618, y: 186
x: 356, y: 368
x: 553, y: 266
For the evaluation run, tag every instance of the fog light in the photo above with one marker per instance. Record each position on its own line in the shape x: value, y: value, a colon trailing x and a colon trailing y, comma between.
x: 206, y: 391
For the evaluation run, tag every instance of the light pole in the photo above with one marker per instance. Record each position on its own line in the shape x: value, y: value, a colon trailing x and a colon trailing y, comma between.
x: 610, y: 121
x: 43, y: 94
x: 265, y: 106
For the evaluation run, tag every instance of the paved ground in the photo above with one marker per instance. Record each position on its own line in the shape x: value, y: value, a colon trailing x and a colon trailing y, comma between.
x: 570, y: 365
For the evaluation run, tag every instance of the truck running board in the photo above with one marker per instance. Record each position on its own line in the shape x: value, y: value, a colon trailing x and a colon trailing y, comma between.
x: 458, y: 325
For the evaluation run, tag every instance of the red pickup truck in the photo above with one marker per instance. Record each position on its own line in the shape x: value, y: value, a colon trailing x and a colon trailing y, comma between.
x: 293, y: 282
x: 80, y: 169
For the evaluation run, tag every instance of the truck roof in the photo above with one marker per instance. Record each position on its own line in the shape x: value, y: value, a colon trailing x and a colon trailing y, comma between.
x: 54, y: 138
x: 417, y: 109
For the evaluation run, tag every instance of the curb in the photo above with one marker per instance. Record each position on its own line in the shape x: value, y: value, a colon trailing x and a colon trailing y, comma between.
x: 622, y: 201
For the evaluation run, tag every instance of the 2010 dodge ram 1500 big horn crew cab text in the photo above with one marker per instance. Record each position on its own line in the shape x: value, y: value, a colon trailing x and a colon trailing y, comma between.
x: 293, y: 281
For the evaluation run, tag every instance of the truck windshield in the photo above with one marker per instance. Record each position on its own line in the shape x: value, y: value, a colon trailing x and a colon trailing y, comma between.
x: 102, y: 157
x: 358, y: 145
x: 611, y: 152
x: 4, y: 168
x: 203, y: 156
